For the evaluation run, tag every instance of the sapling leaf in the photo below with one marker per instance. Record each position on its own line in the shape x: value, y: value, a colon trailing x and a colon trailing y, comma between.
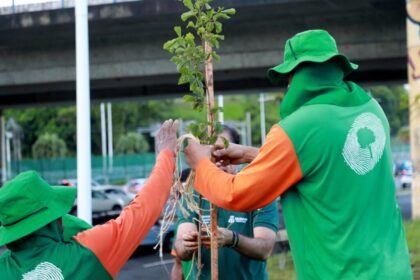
x: 225, y: 142
x: 188, y: 4
x: 185, y: 16
x: 230, y: 11
x: 178, y: 30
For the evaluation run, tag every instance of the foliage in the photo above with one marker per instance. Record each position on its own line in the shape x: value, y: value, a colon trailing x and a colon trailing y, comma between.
x: 189, y: 55
x: 412, y: 230
x: 131, y: 143
x: 285, y: 273
x: 404, y: 134
x: 49, y: 146
x: 394, y: 102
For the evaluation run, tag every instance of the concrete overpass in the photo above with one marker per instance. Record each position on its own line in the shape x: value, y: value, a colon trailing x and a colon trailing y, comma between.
x: 37, y: 53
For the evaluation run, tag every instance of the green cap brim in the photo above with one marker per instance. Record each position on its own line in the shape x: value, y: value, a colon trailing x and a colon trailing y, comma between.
x: 278, y: 75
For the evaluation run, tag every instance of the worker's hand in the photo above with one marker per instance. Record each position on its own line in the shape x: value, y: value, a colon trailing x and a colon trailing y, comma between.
x: 224, y: 237
x: 166, y: 136
x: 195, y: 152
x: 190, y: 242
x: 234, y: 154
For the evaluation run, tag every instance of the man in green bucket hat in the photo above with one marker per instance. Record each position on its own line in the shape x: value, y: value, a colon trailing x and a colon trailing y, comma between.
x: 329, y: 158
x: 33, y: 213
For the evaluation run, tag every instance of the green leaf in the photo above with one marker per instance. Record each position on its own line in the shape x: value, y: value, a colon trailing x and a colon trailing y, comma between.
x: 185, y: 16
x: 212, y: 140
x: 167, y: 46
x: 191, y: 24
x: 225, y: 142
x: 218, y: 128
x: 178, y: 30
x: 189, y: 37
x: 230, y: 11
x: 188, y: 98
x: 188, y: 4
x: 210, y: 27
x: 218, y: 26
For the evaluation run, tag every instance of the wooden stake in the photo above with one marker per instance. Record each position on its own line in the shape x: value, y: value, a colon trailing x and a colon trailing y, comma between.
x: 210, y: 118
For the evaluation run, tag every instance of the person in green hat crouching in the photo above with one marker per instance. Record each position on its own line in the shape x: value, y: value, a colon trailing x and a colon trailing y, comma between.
x: 329, y: 158
x: 31, y: 227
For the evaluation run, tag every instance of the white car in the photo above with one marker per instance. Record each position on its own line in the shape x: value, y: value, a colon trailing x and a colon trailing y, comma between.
x: 117, y: 193
x: 134, y: 185
x: 102, y: 204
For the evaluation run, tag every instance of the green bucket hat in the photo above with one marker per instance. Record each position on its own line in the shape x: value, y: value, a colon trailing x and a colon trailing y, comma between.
x: 310, y: 46
x: 28, y: 203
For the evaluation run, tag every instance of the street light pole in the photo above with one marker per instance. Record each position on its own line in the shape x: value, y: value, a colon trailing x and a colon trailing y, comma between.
x: 110, y: 139
x: 84, y: 172
x: 103, y: 138
x: 221, y: 116
x: 248, y: 129
x: 262, y: 117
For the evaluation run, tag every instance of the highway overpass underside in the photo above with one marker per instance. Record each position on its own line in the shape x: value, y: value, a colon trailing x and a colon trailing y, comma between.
x: 37, y: 49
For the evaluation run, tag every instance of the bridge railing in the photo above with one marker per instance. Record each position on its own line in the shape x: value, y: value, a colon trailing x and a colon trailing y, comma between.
x: 16, y: 6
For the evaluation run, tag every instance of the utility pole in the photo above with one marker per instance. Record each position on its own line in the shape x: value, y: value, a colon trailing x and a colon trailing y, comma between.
x: 84, y: 172
x: 262, y: 116
x: 248, y: 129
x: 103, y: 138
x: 110, y: 140
x: 221, y: 115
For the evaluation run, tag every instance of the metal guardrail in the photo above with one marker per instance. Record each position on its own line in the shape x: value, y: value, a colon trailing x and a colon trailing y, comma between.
x: 15, y: 7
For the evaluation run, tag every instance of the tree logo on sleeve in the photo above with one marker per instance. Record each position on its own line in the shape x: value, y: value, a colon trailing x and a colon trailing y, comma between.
x: 365, y: 143
x: 44, y: 271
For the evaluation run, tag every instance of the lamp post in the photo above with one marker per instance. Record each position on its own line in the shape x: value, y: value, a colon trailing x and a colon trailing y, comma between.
x: 84, y: 172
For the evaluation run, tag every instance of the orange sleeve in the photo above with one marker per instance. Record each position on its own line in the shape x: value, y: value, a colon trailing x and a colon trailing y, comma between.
x: 114, y: 242
x: 275, y: 169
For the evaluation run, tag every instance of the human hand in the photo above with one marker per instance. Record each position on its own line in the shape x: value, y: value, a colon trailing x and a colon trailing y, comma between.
x: 190, y: 242
x: 166, y: 136
x: 224, y: 238
x: 234, y: 154
x: 195, y: 152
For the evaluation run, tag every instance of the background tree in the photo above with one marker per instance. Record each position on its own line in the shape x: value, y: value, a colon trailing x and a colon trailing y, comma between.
x: 131, y: 143
x: 49, y: 146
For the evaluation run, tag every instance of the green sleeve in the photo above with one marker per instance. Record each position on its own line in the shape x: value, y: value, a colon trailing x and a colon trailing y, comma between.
x: 267, y: 217
x: 72, y: 226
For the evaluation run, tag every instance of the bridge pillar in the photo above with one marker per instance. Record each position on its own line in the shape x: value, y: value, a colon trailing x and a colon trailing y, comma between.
x: 413, y: 45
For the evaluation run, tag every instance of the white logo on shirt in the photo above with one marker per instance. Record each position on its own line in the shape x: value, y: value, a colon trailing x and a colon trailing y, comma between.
x: 233, y: 219
x: 44, y: 271
x: 365, y: 143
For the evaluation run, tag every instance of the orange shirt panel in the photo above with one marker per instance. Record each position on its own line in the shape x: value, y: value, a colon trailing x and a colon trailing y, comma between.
x: 275, y: 169
x: 114, y: 242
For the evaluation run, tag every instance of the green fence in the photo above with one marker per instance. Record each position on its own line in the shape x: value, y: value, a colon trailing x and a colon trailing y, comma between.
x: 122, y: 168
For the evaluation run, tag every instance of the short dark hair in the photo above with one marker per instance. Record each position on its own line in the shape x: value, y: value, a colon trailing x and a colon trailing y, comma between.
x: 234, y: 135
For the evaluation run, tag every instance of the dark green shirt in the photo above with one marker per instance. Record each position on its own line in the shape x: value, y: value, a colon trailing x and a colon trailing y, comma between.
x: 233, y: 265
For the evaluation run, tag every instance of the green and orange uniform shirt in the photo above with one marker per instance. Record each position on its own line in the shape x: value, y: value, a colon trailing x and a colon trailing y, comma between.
x: 96, y: 253
x: 330, y: 160
x: 232, y: 264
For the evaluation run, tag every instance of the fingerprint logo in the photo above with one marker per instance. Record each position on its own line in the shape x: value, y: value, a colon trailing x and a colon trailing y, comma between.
x: 44, y: 271
x: 365, y: 143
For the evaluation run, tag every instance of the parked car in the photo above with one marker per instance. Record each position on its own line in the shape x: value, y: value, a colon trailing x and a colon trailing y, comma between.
x: 134, y: 185
x: 152, y: 237
x: 116, y: 192
x: 102, y: 204
x: 73, y: 183
x: 404, y: 174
